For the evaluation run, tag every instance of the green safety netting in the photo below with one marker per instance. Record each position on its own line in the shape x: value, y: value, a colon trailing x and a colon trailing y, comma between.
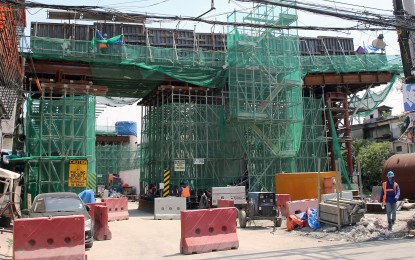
x: 265, y: 126
x: 188, y: 131
x: 351, y: 63
x: 129, y: 68
x: 58, y: 130
x: 337, y: 151
x: 265, y: 92
x: 113, y: 158
x: 370, y: 99
x: 152, y: 64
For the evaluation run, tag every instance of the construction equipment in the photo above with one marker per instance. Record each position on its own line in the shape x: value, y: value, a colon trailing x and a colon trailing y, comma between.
x: 260, y: 206
x: 9, y: 196
x: 235, y: 193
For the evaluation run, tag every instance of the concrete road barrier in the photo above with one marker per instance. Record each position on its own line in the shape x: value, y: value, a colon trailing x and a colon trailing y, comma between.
x: 169, y: 208
x: 57, y: 238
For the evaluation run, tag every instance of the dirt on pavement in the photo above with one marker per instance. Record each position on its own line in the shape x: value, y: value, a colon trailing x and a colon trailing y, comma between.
x: 371, y: 227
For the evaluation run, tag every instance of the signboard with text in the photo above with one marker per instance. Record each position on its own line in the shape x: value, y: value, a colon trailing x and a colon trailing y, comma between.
x: 78, y: 173
x: 179, y: 165
x: 199, y: 161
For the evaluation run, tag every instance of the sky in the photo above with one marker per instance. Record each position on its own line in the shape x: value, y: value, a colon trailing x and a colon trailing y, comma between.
x: 195, y: 8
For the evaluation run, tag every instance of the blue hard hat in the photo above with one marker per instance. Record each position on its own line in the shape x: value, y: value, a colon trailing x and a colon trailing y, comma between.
x: 390, y: 174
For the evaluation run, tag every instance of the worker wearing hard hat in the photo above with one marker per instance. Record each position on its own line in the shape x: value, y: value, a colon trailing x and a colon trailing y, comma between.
x: 389, y: 196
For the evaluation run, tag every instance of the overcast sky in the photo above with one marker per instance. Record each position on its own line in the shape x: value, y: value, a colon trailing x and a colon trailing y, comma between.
x: 222, y: 8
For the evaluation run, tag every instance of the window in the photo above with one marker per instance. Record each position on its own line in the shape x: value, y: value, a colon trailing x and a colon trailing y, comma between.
x: 398, y: 149
x: 57, y: 204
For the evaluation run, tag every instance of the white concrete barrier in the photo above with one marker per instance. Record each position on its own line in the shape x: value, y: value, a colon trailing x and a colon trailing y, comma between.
x: 348, y: 195
x: 169, y: 208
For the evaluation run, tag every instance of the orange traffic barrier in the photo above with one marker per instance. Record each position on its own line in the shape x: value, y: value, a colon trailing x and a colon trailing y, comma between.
x: 91, y: 211
x: 282, y: 203
x: 208, y: 230
x: 55, y: 238
x: 101, y: 229
x: 117, y: 208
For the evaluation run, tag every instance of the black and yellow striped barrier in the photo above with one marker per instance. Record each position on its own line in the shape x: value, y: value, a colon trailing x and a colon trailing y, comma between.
x: 166, y: 176
x: 91, y: 181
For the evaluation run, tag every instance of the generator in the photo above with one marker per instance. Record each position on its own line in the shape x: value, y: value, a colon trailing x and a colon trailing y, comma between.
x: 260, y: 206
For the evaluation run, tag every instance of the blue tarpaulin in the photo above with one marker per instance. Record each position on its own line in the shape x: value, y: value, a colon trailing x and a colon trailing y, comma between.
x: 126, y: 128
x: 313, y: 219
x: 87, y: 196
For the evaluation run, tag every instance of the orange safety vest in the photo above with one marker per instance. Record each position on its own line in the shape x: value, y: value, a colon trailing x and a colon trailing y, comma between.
x: 185, y: 192
x: 386, y: 190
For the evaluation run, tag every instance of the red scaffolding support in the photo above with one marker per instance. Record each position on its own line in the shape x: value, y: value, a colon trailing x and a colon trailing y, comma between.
x: 337, y: 104
x: 10, y: 63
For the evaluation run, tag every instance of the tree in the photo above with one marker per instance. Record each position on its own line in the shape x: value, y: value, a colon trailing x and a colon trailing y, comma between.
x: 372, y: 157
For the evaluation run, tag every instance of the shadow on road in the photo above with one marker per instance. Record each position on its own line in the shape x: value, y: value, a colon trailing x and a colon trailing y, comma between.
x: 347, y: 251
x: 135, y: 213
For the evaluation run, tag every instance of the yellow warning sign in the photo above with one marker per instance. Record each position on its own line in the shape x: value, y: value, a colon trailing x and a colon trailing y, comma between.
x: 78, y: 173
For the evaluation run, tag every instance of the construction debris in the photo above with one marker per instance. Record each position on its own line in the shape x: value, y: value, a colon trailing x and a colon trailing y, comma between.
x: 371, y: 227
x: 351, y: 211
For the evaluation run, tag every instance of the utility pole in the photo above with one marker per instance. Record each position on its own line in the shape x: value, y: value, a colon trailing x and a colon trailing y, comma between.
x: 403, y: 39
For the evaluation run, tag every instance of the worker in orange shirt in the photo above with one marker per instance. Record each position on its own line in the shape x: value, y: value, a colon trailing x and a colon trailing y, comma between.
x: 184, y: 191
x: 389, y: 196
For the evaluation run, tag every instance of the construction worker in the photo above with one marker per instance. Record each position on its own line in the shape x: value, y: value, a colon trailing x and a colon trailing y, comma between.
x: 389, y: 196
x: 151, y: 192
x: 184, y: 191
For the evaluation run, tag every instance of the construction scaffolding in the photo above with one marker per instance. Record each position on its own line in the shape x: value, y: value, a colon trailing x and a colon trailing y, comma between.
x: 265, y: 92
x: 121, y: 66
x: 113, y: 158
x: 217, y: 116
x: 313, y: 139
x: 187, y: 126
x: 10, y: 63
x: 59, y: 129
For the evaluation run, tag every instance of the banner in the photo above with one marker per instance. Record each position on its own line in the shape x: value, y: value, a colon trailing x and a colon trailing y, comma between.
x: 78, y: 173
x: 409, y: 135
x: 409, y: 97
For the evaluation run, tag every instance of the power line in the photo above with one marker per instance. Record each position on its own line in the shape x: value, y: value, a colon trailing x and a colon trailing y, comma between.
x: 362, y: 16
x: 387, y: 25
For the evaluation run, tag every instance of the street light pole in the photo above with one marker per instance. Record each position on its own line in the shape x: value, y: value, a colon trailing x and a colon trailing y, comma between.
x: 403, y: 39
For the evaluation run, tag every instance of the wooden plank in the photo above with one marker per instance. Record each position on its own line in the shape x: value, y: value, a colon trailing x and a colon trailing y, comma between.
x: 346, y: 201
x: 347, y: 78
x: 61, y: 88
x: 333, y: 218
x: 332, y: 209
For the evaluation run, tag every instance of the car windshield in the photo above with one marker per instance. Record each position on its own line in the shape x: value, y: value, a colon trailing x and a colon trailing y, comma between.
x: 57, y: 204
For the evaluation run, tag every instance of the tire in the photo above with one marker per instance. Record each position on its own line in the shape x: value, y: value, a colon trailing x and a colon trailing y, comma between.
x: 89, y: 245
x: 242, y: 219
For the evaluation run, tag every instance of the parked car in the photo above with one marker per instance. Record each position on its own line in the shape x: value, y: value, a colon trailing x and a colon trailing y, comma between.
x: 62, y: 204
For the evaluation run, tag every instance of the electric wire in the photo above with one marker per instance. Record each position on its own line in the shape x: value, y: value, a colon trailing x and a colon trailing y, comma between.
x: 368, y: 19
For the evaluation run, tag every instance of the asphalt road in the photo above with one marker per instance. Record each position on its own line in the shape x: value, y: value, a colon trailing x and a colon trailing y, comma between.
x: 142, y: 237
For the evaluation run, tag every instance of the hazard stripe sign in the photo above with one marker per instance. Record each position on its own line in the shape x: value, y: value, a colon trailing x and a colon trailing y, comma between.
x: 166, y: 176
